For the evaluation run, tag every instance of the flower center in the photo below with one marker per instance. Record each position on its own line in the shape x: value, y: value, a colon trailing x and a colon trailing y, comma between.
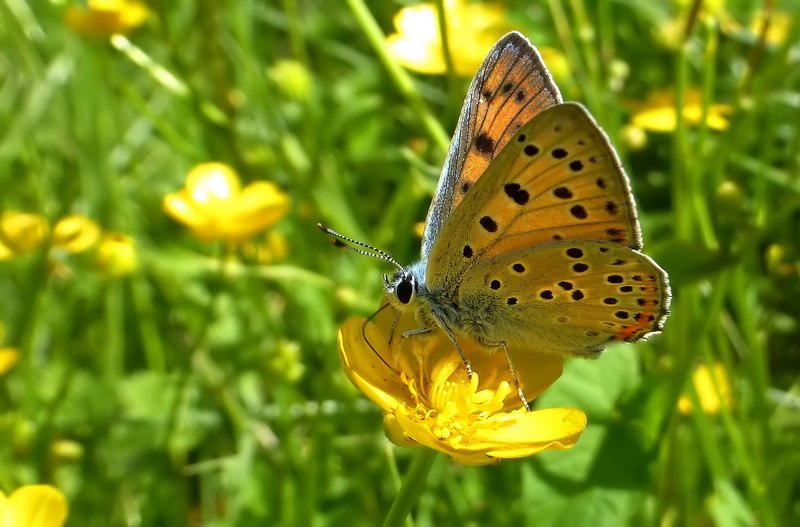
x: 450, y: 404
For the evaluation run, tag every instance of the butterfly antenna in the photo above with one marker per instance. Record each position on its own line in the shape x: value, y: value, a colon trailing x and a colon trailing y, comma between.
x: 345, y: 242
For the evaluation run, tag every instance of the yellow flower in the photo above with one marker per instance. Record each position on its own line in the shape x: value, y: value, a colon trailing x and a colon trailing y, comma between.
x: 215, y: 207
x: 75, y: 234
x: 292, y: 78
x: 116, y: 254
x: 103, y: 18
x: 20, y: 232
x: 33, y: 506
x: 66, y: 450
x: 713, y: 390
x: 658, y: 112
x: 427, y: 399
x: 8, y: 358
x: 778, y: 29
x: 472, y: 29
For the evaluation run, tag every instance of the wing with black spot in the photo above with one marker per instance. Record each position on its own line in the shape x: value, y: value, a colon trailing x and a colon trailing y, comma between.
x: 558, y: 179
x: 510, y: 88
x: 580, y: 294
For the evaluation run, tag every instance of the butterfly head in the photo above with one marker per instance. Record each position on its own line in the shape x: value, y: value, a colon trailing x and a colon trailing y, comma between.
x: 403, y: 287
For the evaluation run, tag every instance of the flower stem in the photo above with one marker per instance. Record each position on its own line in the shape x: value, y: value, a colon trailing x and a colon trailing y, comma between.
x: 401, y: 79
x: 412, y: 487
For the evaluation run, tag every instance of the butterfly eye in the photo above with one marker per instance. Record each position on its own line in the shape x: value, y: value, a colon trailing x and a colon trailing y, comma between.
x: 405, y: 289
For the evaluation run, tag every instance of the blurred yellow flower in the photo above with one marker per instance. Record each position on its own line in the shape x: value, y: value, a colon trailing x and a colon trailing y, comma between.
x: 33, y: 506
x: 633, y: 136
x: 778, y: 29
x: 66, y: 450
x: 671, y: 31
x: 472, y: 29
x: 8, y: 356
x: 292, y: 78
x: 75, y: 234
x: 422, y: 386
x: 116, y: 254
x: 20, y: 232
x: 658, y: 112
x: 103, y: 18
x: 713, y: 390
x: 214, y: 206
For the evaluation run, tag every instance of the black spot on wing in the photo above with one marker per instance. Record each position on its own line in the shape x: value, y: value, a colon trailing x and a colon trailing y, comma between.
x: 484, y: 144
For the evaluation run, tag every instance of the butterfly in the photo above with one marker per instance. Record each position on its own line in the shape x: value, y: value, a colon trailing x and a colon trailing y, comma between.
x: 532, y: 239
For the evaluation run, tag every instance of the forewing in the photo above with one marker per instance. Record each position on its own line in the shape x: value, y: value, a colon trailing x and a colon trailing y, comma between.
x: 558, y: 179
x: 510, y: 88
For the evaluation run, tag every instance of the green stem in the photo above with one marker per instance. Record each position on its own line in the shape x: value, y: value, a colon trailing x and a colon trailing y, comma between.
x: 446, y: 51
x: 412, y: 487
x: 399, y: 76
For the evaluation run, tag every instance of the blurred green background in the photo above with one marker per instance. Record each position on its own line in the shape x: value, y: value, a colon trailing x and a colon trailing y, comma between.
x: 157, y: 379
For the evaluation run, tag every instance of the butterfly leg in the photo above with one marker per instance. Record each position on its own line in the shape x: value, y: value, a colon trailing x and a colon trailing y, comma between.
x: 513, y: 371
x: 452, y: 337
x: 415, y: 333
x: 449, y: 332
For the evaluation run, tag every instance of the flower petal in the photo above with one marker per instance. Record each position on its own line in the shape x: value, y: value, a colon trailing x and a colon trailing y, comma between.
x: 8, y: 358
x: 210, y: 182
x: 366, y: 359
x: 34, y: 506
x: 260, y: 205
x: 531, y: 432
x: 21, y: 231
x: 75, y: 233
x: 180, y: 207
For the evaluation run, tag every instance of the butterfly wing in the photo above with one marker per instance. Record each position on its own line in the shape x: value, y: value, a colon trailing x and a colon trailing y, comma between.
x: 510, y: 88
x: 568, y: 297
x: 558, y: 179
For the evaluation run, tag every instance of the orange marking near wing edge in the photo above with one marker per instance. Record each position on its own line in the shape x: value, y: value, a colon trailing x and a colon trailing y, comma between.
x: 638, y: 327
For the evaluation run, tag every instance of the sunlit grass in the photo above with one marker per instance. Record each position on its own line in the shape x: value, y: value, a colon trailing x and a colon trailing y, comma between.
x: 160, y: 379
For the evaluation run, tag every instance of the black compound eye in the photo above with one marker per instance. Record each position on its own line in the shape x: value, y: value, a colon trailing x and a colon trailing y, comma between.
x: 405, y: 290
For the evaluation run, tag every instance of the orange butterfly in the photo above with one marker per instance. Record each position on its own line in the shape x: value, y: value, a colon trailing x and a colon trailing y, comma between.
x: 532, y: 239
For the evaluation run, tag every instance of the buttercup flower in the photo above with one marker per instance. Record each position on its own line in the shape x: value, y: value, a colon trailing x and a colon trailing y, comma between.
x: 778, y: 30
x: 713, y: 390
x: 116, y: 254
x: 422, y: 386
x: 8, y: 356
x: 215, y: 207
x: 33, y: 506
x: 75, y: 233
x: 103, y: 18
x: 472, y: 28
x: 658, y: 112
x: 20, y: 232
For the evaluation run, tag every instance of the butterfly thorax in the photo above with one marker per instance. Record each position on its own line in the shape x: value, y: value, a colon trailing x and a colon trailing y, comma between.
x: 434, y: 308
x: 408, y: 292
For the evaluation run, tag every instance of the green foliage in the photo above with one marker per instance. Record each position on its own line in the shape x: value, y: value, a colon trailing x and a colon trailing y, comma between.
x: 201, y: 390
